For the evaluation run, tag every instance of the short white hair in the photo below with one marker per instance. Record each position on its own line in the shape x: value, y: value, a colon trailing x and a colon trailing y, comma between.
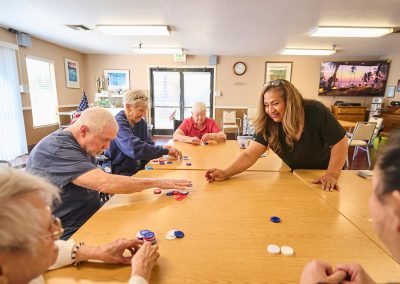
x: 96, y: 118
x: 19, y: 219
x: 199, y: 107
x: 132, y: 97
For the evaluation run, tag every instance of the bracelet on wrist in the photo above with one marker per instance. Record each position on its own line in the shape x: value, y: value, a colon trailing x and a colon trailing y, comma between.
x: 74, y: 252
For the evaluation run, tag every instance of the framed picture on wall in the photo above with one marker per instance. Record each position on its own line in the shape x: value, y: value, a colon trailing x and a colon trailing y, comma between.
x: 117, y: 80
x: 390, y: 91
x: 72, y: 73
x: 277, y: 70
x: 398, y: 86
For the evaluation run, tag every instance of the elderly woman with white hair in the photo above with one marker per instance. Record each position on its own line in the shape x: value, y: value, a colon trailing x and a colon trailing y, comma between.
x: 29, y: 235
x: 199, y: 128
x: 133, y: 147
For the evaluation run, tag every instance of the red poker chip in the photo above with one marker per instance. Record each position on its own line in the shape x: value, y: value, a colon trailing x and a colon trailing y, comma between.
x: 157, y: 191
x: 179, y: 198
x: 175, y: 192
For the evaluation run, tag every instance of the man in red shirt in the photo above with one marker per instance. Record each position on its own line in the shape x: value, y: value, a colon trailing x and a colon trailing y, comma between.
x: 199, y: 128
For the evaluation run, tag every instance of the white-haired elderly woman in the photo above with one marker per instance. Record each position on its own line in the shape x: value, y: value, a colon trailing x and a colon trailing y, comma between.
x: 199, y: 128
x: 29, y: 235
x: 134, y: 147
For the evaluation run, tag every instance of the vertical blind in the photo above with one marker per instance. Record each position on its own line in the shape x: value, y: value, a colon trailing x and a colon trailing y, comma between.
x: 12, y: 128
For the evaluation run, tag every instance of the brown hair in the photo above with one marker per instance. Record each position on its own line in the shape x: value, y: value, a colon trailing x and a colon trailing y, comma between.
x: 292, y: 120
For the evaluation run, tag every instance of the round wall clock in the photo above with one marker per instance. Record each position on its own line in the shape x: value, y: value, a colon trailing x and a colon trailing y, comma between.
x: 239, y: 68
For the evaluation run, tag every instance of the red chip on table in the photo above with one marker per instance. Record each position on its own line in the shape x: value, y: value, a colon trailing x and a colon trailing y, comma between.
x: 157, y: 191
x: 179, y: 197
x: 175, y: 192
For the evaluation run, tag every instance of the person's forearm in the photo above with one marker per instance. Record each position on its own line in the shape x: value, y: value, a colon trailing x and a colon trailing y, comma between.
x: 240, y: 164
x: 87, y: 252
x: 181, y: 138
x: 117, y: 184
x: 220, y: 137
x: 338, y: 157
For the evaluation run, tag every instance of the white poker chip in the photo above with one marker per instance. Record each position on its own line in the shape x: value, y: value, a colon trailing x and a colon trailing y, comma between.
x: 170, y: 235
x: 273, y: 249
x: 139, y: 235
x: 288, y: 251
x: 165, y: 157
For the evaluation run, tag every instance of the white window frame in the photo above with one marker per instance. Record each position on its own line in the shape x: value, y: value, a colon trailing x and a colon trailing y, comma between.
x: 54, y: 91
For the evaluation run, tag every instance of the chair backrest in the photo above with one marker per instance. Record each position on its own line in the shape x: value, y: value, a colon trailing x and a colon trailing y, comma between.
x: 363, y: 131
x: 378, y: 121
x: 252, y: 113
x: 177, y: 123
x: 229, y: 117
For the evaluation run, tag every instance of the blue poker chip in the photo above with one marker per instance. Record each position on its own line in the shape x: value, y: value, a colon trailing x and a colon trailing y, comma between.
x: 148, y: 235
x: 188, y: 164
x: 179, y: 234
x: 170, y: 193
x: 169, y: 162
x: 275, y: 219
x: 142, y: 232
x: 148, y: 168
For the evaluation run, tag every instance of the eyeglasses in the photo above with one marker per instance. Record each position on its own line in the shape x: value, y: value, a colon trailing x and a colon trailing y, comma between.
x: 56, y: 228
x: 141, y: 97
x: 275, y: 83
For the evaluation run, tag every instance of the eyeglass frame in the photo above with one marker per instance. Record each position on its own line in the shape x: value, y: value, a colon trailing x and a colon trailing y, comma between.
x: 55, y: 234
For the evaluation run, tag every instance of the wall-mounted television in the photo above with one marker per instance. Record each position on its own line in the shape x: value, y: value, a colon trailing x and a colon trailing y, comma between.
x: 354, y: 78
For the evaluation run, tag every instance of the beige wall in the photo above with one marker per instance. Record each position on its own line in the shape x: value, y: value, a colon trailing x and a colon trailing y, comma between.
x: 66, y: 96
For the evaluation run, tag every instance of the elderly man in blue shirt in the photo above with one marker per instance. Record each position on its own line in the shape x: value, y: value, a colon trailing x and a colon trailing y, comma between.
x: 133, y: 147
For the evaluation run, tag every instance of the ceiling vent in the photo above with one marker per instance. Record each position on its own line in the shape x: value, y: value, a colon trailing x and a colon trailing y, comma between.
x: 78, y: 27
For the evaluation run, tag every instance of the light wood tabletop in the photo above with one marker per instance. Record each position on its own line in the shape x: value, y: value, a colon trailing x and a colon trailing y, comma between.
x: 351, y: 201
x: 218, y: 155
x: 227, y: 230
x: 347, y: 125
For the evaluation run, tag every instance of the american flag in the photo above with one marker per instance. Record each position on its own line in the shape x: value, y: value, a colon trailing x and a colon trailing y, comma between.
x: 84, y: 104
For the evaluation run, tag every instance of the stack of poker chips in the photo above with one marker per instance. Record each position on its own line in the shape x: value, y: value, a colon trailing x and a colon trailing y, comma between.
x: 179, y: 195
x: 147, y: 236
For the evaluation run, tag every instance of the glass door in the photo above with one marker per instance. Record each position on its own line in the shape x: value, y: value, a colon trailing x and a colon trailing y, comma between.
x: 173, y: 92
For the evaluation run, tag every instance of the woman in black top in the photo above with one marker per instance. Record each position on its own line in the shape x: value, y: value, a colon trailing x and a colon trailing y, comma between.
x: 302, y: 132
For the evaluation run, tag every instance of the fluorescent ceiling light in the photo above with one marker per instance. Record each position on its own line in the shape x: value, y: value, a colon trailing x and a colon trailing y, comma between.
x: 158, y: 50
x: 134, y: 30
x: 350, y: 32
x: 300, y: 51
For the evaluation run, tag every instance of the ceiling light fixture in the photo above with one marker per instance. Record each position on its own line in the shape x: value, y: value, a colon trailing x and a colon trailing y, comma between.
x: 158, y: 50
x: 133, y: 30
x: 304, y: 51
x: 350, y: 32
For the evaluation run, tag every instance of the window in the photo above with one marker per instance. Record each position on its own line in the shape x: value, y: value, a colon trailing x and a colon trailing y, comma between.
x: 42, y: 90
x: 173, y: 92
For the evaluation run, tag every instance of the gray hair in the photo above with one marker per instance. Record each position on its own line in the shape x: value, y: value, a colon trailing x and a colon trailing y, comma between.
x: 132, y: 97
x: 198, y: 107
x: 96, y: 118
x: 19, y: 219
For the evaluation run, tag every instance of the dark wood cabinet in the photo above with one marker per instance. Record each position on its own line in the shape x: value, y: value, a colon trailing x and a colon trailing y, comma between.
x: 391, y: 118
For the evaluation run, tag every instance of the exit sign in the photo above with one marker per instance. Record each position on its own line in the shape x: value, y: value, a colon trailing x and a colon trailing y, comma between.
x: 180, y: 57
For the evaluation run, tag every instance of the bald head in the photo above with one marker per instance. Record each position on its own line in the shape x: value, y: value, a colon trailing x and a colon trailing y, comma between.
x: 96, y: 119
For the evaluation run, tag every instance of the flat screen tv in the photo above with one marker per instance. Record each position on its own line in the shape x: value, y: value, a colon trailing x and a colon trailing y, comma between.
x: 354, y: 78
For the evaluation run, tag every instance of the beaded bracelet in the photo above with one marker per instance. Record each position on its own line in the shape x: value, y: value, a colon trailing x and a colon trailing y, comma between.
x: 75, y: 249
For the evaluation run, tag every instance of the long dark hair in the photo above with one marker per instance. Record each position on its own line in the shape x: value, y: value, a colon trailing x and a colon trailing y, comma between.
x: 292, y: 120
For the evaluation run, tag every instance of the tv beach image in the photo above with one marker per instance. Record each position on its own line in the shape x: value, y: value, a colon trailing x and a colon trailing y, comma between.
x: 367, y: 78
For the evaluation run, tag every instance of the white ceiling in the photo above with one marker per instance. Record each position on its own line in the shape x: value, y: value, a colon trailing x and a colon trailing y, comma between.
x: 208, y: 27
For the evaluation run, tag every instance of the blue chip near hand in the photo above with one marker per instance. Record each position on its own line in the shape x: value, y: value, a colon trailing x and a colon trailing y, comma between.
x: 275, y: 219
x: 179, y: 234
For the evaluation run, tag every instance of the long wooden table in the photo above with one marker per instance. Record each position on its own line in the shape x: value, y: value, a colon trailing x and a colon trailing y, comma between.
x: 218, y: 156
x: 227, y: 230
x: 351, y: 201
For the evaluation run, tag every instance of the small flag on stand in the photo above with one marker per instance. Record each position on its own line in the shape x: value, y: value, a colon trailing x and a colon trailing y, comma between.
x: 84, y: 104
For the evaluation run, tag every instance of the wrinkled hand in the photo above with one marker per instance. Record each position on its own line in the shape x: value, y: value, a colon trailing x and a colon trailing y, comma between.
x: 113, y: 252
x: 321, y: 272
x: 194, y: 140
x: 144, y: 260
x: 174, y: 184
x: 356, y: 274
x: 328, y: 182
x: 175, y: 153
x: 215, y: 174
x: 206, y: 137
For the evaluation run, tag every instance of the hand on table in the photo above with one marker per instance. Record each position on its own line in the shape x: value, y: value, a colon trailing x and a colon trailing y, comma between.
x: 174, y: 184
x: 328, y: 182
x: 215, y: 174
x: 321, y: 272
x: 144, y: 260
x: 355, y: 274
